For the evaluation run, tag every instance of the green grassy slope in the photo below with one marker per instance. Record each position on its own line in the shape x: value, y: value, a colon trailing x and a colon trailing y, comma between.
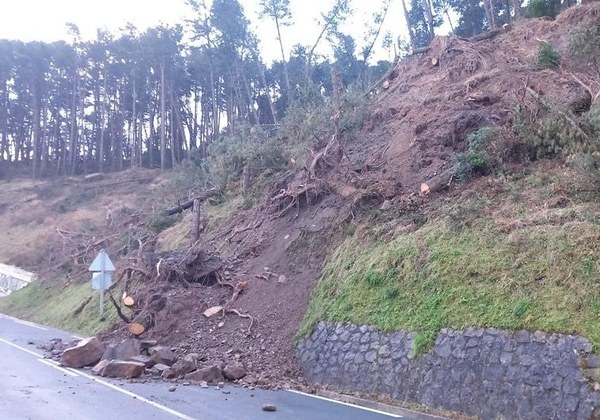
x: 525, y: 256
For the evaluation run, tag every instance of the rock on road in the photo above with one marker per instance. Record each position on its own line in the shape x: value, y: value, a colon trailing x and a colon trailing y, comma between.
x: 37, y: 388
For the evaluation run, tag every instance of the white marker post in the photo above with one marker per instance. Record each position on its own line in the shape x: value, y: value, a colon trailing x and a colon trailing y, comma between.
x: 102, y: 269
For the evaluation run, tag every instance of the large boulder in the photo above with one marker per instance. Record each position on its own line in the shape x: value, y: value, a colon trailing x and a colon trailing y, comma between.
x: 146, y: 360
x: 125, y: 350
x: 212, y: 374
x: 123, y: 369
x: 86, y: 352
x: 186, y: 364
x: 234, y: 372
x: 99, y: 368
x: 162, y: 355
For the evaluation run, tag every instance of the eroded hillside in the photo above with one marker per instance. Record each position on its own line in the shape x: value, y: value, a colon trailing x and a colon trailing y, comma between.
x: 497, y: 239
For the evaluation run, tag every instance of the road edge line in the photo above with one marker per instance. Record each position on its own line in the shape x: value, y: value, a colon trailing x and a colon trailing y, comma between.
x: 135, y: 396
x: 39, y: 356
x: 360, y: 407
x: 55, y: 366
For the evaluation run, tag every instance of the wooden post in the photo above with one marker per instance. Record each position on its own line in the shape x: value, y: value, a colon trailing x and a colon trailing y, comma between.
x: 196, y: 215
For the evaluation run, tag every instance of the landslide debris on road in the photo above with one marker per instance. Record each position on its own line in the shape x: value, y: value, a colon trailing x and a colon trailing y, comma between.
x: 261, y: 266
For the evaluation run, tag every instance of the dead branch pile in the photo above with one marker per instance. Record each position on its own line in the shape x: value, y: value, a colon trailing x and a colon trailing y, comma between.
x: 306, y: 187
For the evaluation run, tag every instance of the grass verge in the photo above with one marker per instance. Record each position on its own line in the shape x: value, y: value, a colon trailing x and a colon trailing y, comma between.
x: 56, y: 307
x: 508, y: 262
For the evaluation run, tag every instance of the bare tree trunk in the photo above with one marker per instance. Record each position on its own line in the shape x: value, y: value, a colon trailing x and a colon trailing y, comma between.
x: 429, y: 16
x: 411, y: 35
x: 215, y: 105
x: 517, y: 7
x: 36, y: 131
x: 489, y: 13
x: 174, y: 145
x: 249, y: 99
x: 450, y: 21
x: 163, y: 119
x: 44, y: 142
x: 102, y: 123
x: 285, y: 67
x: 134, y: 140
x: 70, y: 166
x: 268, y: 93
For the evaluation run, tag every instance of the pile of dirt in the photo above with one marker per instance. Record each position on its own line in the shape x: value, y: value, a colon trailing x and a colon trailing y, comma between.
x: 433, y: 101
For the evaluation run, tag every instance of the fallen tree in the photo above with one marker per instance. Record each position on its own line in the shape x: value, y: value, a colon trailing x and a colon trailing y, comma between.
x: 179, y: 208
x: 438, y: 182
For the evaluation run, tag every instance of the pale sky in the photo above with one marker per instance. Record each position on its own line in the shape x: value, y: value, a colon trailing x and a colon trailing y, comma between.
x: 45, y: 20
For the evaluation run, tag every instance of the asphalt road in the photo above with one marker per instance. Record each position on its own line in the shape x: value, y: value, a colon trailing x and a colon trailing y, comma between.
x: 36, y: 388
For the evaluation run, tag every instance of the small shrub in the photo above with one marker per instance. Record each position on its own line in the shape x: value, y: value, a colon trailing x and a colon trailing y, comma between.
x: 543, y: 8
x: 584, y: 44
x: 552, y: 135
x: 547, y: 56
x: 159, y: 222
x: 475, y: 160
x: 593, y: 118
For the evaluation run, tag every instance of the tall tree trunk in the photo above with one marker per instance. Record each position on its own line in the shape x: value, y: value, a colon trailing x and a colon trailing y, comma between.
x: 215, y: 105
x: 517, y: 8
x: 5, y: 154
x: 449, y: 21
x: 249, y: 99
x: 134, y: 140
x: 174, y: 146
x: 268, y: 93
x: 163, y: 119
x: 44, y: 142
x: 36, y: 131
x: 285, y: 67
x: 490, y: 13
x: 411, y: 35
x: 429, y: 15
x: 102, y: 122
x: 140, y: 140
x: 71, y: 166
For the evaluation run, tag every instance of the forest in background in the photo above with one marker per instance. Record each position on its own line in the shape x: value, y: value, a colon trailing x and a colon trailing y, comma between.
x: 153, y: 98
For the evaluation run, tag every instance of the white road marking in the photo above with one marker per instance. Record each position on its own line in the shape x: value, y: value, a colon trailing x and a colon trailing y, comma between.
x: 347, y: 404
x: 2, y: 340
x: 20, y: 321
x: 55, y: 366
x: 132, y: 395
x: 73, y: 372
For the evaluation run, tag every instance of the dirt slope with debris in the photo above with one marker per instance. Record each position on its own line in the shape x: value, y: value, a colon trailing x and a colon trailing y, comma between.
x: 417, y: 126
x: 277, y: 249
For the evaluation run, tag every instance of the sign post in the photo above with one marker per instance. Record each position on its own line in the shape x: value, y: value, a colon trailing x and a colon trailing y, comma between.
x: 102, y: 269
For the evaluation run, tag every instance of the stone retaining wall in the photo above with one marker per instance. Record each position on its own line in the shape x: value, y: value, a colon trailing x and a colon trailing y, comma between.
x: 484, y: 372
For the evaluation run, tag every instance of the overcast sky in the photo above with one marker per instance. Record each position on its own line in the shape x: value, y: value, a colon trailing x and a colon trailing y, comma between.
x: 45, y: 20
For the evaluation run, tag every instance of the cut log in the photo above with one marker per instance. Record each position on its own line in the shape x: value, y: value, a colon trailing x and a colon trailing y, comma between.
x: 188, y: 204
x: 142, y: 323
x: 437, y: 183
x: 435, y: 61
x: 386, y: 85
x: 128, y: 301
